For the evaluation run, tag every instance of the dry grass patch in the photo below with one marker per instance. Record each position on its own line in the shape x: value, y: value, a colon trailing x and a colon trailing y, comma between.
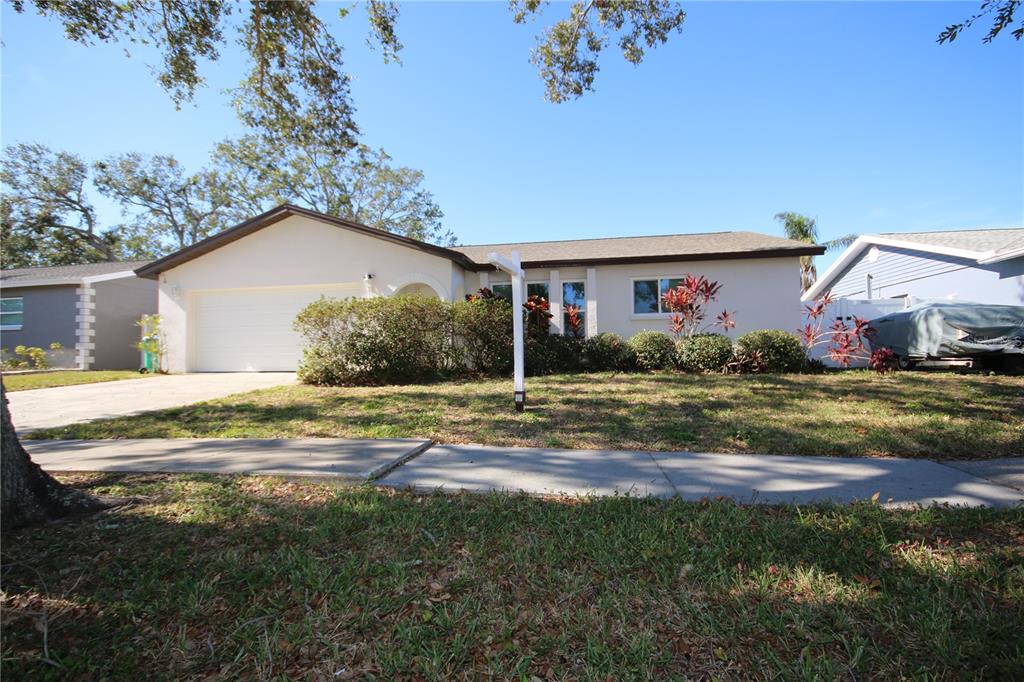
x: 927, y: 415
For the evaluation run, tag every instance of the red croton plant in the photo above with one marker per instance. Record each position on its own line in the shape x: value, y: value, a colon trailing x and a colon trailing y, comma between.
x: 574, y: 321
x: 687, y: 304
x: 843, y: 343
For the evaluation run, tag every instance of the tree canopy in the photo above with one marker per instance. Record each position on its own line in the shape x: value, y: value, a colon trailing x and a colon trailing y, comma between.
x: 45, y: 211
x: 1003, y: 10
x: 166, y: 208
x: 47, y: 217
x: 362, y: 185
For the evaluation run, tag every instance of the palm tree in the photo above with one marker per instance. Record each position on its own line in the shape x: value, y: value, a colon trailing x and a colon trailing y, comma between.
x: 804, y: 229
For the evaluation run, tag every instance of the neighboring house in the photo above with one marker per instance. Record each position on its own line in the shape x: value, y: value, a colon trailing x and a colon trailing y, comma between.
x: 983, y: 266
x: 89, y: 309
x: 228, y: 302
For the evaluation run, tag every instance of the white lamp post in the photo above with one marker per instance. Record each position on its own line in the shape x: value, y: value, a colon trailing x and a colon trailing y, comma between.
x: 513, y: 267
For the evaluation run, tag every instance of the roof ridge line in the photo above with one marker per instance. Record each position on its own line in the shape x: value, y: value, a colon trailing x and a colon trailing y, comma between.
x: 636, y: 236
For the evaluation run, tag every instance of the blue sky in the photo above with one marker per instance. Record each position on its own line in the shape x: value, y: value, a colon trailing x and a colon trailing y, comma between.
x: 846, y: 111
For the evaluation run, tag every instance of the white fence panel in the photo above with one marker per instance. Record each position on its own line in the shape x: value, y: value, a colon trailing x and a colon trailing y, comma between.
x: 848, y: 308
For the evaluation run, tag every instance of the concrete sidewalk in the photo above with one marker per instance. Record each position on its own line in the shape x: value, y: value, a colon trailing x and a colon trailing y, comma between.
x: 350, y: 460
x: 692, y: 476
x: 402, y: 463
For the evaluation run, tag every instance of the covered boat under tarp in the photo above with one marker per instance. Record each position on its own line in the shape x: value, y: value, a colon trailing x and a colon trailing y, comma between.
x: 951, y: 329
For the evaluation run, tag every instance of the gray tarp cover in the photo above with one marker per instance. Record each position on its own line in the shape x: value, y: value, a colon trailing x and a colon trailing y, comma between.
x: 951, y: 329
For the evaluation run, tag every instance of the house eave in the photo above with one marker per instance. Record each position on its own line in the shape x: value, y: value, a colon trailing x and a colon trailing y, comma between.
x: 41, y: 283
x: 673, y: 258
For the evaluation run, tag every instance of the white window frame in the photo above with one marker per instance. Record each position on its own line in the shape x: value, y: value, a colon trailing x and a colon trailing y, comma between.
x: 649, y: 316
x: 15, y: 327
x: 547, y: 283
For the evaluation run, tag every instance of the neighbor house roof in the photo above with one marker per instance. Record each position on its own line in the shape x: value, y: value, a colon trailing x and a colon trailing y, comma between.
x: 66, y: 274
x: 983, y: 246
x: 533, y: 254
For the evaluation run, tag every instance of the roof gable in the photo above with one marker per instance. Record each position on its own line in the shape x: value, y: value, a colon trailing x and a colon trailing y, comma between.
x: 978, y: 247
x: 277, y: 214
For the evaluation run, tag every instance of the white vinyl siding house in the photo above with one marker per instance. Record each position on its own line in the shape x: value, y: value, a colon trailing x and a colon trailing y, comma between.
x: 228, y: 303
x: 982, y: 266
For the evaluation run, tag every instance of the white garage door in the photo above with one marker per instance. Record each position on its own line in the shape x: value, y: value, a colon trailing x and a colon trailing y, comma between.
x: 251, y: 330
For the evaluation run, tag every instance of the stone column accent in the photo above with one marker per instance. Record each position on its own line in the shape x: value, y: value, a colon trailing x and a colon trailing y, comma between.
x: 85, y: 318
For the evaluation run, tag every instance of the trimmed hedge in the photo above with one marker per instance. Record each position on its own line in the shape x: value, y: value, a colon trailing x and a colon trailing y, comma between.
x: 704, y: 352
x: 607, y: 352
x: 483, y: 331
x: 777, y: 350
x: 652, y: 350
x: 552, y: 354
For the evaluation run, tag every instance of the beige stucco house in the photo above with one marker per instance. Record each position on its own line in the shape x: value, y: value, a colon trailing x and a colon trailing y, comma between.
x: 228, y: 302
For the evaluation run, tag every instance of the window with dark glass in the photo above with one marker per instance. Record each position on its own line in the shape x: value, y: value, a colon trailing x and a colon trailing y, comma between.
x: 647, y: 294
x: 574, y: 293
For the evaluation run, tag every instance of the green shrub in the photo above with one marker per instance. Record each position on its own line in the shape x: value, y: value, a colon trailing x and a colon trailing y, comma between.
x: 483, y: 328
x: 31, y: 356
x: 703, y: 352
x: 776, y: 350
x: 553, y: 354
x: 652, y: 350
x: 377, y: 340
x: 606, y: 352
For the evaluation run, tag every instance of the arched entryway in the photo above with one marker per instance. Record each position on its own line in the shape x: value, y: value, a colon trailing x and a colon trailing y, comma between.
x: 418, y: 289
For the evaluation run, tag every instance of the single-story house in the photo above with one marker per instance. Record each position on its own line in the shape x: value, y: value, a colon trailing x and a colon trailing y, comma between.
x: 228, y: 302
x: 982, y: 266
x: 89, y: 309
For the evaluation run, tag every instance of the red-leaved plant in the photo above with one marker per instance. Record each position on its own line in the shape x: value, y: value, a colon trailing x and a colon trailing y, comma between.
x: 687, y: 302
x: 538, y: 316
x: 574, y: 321
x: 843, y: 343
x: 483, y: 294
x: 883, y: 361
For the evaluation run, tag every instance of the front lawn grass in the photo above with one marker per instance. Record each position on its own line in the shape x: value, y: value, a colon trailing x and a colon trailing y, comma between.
x: 25, y: 382
x: 259, y: 578
x: 914, y: 414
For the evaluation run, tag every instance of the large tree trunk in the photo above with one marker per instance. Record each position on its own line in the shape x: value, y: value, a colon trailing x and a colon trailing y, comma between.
x: 27, y: 493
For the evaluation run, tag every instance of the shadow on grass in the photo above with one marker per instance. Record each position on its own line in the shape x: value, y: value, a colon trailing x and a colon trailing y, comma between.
x: 240, y: 577
x: 848, y: 414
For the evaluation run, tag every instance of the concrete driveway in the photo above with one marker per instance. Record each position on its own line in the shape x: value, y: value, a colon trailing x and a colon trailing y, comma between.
x: 49, y: 407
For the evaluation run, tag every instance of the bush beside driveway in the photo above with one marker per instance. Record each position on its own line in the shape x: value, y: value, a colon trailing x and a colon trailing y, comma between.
x: 856, y: 413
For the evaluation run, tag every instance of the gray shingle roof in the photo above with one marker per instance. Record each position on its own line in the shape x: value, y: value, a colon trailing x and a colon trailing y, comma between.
x: 656, y: 247
x: 65, y: 274
x: 993, y: 241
